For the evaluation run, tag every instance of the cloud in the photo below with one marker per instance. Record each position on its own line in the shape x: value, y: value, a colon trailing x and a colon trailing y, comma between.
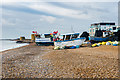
x: 28, y: 16
x: 12, y: 1
x: 23, y: 8
x: 7, y: 1
x: 59, y: 11
x: 70, y: 10
x: 49, y: 19
x: 6, y: 22
x: 45, y: 9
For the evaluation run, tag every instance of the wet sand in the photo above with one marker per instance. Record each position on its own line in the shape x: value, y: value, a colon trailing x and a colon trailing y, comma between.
x: 43, y: 62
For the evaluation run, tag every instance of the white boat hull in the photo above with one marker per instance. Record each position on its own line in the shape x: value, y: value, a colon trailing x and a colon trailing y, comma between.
x: 44, y: 42
x: 68, y: 43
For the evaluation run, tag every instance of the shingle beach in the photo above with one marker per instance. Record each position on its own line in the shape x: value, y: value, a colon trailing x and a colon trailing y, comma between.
x: 33, y: 61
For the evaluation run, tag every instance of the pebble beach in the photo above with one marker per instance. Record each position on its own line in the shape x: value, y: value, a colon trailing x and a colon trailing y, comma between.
x: 33, y: 61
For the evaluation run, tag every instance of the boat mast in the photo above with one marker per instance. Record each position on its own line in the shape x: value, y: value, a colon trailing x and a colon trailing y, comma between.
x: 72, y: 29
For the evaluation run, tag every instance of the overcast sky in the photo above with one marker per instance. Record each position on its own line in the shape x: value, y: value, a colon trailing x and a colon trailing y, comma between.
x: 21, y: 18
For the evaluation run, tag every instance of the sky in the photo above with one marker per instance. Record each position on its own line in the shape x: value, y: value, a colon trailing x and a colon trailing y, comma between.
x: 21, y: 18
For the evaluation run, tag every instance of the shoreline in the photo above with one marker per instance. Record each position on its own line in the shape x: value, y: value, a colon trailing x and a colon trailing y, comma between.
x: 14, y: 48
x: 33, y: 61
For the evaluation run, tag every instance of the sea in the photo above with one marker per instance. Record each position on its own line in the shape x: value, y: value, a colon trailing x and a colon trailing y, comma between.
x: 8, y: 44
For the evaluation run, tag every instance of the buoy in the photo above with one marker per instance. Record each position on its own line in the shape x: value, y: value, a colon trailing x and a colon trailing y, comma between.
x: 62, y: 47
x: 72, y: 47
x: 94, y: 45
x: 98, y: 44
x: 115, y: 45
x: 56, y: 48
x: 77, y: 46
x: 112, y: 43
x: 116, y: 42
x: 108, y: 43
x: 103, y: 43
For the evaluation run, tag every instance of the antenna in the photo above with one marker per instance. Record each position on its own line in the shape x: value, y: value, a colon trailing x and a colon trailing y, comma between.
x: 72, y: 29
x: 49, y: 29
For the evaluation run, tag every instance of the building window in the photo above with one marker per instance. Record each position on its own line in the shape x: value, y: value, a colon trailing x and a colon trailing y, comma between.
x: 114, y: 28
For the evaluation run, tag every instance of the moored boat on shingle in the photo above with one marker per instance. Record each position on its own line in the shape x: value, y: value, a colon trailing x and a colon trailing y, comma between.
x: 70, y: 39
x: 44, y: 40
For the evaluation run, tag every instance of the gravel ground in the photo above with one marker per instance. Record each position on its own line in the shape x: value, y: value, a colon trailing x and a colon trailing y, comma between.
x: 25, y: 62
x: 43, y: 62
x: 85, y: 62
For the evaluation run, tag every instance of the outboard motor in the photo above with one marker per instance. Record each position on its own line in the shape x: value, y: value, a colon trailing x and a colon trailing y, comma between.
x: 85, y: 34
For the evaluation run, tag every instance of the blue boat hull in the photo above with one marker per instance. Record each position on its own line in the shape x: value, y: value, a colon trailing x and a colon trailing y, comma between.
x: 98, y: 38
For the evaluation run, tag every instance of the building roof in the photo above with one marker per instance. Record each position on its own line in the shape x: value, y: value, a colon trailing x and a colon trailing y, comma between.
x: 103, y: 23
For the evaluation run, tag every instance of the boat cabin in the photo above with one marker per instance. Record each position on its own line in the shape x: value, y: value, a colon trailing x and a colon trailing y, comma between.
x: 69, y: 36
x: 46, y: 35
x: 103, y: 29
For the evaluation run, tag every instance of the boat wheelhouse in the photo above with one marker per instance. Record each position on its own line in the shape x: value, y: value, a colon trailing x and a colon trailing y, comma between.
x: 102, y: 31
x: 44, y: 40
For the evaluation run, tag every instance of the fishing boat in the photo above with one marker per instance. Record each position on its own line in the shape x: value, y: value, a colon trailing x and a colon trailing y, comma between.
x: 68, y: 40
x: 102, y: 31
x: 44, y: 40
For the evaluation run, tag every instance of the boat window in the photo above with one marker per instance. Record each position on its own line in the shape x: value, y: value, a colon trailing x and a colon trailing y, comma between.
x: 114, y: 28
x: 38, y: 36
x: 90, y: 30
x: 99, y: 28
x: 63, y: 37
x: 93, y: 30
x: 75, y: 36
x: 47, y: 36
x: 110, y: 29
x: 104, y: 27
x: 67, y: 37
